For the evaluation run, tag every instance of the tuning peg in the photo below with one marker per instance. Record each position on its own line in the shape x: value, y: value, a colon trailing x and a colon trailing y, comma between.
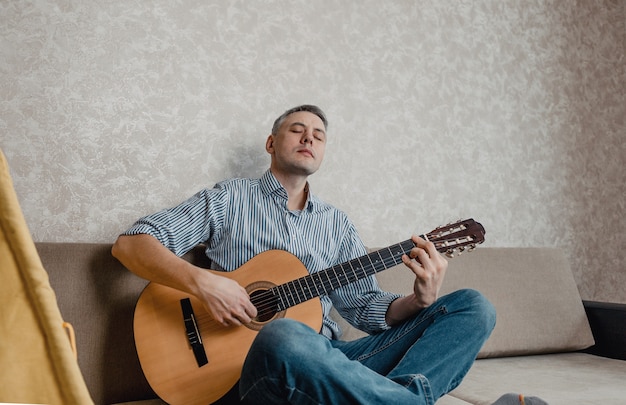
x: 450, y: 253
x: 471, y: 248
x: 461, y: 250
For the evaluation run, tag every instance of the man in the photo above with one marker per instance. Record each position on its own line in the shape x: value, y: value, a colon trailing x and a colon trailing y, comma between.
x: 421, y: 345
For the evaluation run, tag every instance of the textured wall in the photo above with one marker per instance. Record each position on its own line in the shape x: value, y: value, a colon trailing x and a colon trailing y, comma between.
x: 508, y: 111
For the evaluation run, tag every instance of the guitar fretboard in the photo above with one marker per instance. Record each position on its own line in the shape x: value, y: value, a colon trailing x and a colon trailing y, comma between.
x: 325, y: 281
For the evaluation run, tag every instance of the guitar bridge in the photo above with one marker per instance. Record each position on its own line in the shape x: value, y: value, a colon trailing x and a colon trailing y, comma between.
x: 193, y: 334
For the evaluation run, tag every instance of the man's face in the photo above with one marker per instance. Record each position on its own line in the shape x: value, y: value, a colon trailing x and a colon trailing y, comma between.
x: 298, y: 147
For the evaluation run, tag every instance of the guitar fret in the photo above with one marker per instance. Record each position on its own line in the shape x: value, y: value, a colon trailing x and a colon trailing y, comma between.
x: 317, y: 282
x: 355, y: 266
x: 395, y: 255
x: 346, y: 268
x: 282, y: 304
x: 371, y: 264
x: 356, y: 277
x: 287, y: 295
x: 330, y: 283
x: 387, y: 257
x: 308, y: 292
x: 293, y: 292
x: 346, y: 275
x: 336, y: 277
x: 360, y: 269
x: 380, y: 258
x: 299, y: 290
x: 307, y: 288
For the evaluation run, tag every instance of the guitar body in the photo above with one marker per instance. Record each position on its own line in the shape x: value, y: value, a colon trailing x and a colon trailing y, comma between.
x: 162, y: 342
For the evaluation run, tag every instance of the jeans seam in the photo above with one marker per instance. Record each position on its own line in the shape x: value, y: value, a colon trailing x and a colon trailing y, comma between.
x: 275, y: 381
x: 441, y: 309
x: 423, y: 381
x: 253, y: 386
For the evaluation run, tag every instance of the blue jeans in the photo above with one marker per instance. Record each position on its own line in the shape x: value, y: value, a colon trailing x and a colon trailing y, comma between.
x: 415, y: 362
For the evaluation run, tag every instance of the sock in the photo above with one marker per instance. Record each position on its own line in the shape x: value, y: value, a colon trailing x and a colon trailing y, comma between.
x: 519, y: 399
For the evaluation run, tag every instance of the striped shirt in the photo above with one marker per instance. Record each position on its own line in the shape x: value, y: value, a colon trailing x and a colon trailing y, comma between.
x: 240, y: 218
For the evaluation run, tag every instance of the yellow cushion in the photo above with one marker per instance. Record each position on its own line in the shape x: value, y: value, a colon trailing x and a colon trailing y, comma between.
x: 36, y: 357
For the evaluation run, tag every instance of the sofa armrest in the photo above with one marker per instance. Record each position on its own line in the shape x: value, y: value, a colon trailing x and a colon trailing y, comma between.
x: 608, y: 324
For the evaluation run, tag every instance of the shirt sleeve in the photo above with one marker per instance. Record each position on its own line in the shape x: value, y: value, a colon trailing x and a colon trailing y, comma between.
x: 184, y: 226
x: 363, y: 304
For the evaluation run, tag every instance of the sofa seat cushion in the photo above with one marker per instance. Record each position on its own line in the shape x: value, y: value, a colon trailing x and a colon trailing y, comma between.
x: 450, y: 400
x: 558, y: 379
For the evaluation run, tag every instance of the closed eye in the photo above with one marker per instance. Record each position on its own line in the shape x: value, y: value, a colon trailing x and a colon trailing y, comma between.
x: 299, y: 128
x: 319, y: 135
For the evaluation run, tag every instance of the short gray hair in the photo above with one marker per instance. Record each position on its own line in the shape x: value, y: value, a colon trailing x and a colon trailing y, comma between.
x: 306, y: 108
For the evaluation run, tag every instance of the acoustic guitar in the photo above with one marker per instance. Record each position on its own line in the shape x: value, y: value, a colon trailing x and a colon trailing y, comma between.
x: 189, y: 358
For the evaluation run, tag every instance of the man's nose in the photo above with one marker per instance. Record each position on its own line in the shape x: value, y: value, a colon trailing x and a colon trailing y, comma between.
x: 307, y: 137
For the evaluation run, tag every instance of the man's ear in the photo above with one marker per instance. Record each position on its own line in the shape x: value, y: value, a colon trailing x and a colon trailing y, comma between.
x: 269, y: 144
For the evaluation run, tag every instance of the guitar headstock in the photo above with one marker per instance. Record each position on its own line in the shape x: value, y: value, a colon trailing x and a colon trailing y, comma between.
x: 457, y: 237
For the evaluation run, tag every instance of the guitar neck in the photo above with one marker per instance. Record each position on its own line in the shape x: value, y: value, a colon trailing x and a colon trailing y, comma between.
x: 325, y: 281
x: 447, y: 239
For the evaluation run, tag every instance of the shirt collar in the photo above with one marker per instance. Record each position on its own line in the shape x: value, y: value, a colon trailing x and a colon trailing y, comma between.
x: 270, y: 185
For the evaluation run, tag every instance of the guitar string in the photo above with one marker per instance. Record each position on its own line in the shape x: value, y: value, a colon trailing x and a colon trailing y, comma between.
x: 269, y: 301
x: 266, y: 301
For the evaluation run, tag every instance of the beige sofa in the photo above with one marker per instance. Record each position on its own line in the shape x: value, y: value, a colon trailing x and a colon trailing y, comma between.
x: 534, y: 350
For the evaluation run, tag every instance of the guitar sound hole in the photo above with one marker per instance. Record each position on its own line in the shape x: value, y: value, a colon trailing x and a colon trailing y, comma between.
x: 265, y: 302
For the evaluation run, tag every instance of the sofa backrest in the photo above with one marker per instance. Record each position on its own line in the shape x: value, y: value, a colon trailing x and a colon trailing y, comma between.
x: 97, y: 295
x: 539, y: 309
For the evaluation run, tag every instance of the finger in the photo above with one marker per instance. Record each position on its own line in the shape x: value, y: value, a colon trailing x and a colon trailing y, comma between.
x: 423, y: 257
x: 419, y: 241
x: 232, y: 321
x: 230, y: 317
x: 425, y: 244
x: 420, y: 255
x: 241, y: 316
x: 415, y: 266
x: 430, y: 248
x: 244, y: 318
x: 250, y: 309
